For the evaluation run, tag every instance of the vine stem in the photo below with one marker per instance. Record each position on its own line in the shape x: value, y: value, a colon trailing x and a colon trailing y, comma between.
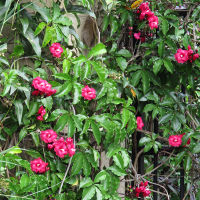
x: 68, y: 167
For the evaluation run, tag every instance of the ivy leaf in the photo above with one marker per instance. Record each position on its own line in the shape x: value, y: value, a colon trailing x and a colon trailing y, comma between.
x: 88, y: 193
x: 61, y: 123
x: 19, y: 110
x: 99, y: 49
x: 96, y: 132
x: 86, y: 182
x: 77, y: 163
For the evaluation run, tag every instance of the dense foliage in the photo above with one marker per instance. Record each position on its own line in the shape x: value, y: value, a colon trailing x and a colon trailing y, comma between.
x: 65, y: 108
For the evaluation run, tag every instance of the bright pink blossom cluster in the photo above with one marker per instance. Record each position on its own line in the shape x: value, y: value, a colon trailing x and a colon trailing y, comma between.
x: 145, y: 12
x: 61, y: 147
x: 176, y: 140
x: 142, y: 190
x: 42, y: 87
x: 88, y: 93
x: 140, y: 123
x: 41, y: 113
x: 183, y: 56
x: 56, y: 50
x: 39, y: 166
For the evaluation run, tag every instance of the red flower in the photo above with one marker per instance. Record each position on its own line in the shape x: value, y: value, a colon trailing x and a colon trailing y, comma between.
x: 48, y: 136
x: 137, y: 35
x: 42, y: 87
x: 50, y: 146
x: 181, y: 56
x: 41, y: 111
x: 195, y: 56
x: 175, y: 140
x: 40, y: 118
x: 153, y: 22
x: 88, y: 93
x: 142, y: 39
x: 140, y: 123
x: 188, y: 142
x: 39, y: 166
x: 146, y: 193
x: 56, y: 50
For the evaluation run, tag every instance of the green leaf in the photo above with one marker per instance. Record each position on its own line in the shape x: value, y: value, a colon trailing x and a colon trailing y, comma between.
x: 47, y: 102
x: 165, y: 118
x: 39, y: 28
x: 176, y: 124
x: 33, y: 40
x: 101, y: 71
x: 100, y: 176
x: 14, y: 150
x: 124, y: 52
x: 3, y: 47
x: 145, y: 81
x: 19, y: 110
x: 4, y: 60
x: 161, y: 47
x: 61, y: 123
x: 149, y: 107
x: 136, y: 77
x: 34, y: 106
x: 86, y: 182
x: 96, y: 132
x: 71, y: 127
x: 122, y: 63
x: 22, y: 134
x: 165, y: 26
x: 66, y: 88
x: 125, y: 117
x: 196, y: 148
x: 99, y: 194
x: 188, y: 163
x: 88, y: 193
x: 114, y: 26
x: 56, y: 11
x: 44, y: 12
x: 157, y: 66
x: 86, y: 166
x: 148, y: 147
x: 105, y: 22
x: 86, y: 70
x: 48, y: 36
x: 168, y: 65
x: 117, y: 171
x: 118, y: 161
x: 99, y: 49
x: 33, y: 153
x: 144, y: 140
x: 24, y: 181
x: 25, y: 24
x: 77, y: 92
x: 126, y: 158
x: 66, y: 66
x: 36, y: 139
x: 77, y: 163
x: 63, y: 20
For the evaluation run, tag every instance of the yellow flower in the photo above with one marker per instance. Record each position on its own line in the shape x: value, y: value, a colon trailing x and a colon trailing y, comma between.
x: 136, y: 4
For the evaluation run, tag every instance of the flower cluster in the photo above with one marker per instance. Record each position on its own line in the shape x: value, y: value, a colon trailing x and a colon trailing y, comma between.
x: 176, y: 140
x: 183, y: 56
x: 61, y: 147
x: 39, y: 166
x: 88, y: 93
x: 41, y: 113
x: 145, y: 12
x: 140, y: 123
x: 42, y: 87
x: 56, y: 50
x: 142, y: 190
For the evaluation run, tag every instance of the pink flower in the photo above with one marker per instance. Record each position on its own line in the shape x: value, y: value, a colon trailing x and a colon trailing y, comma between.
x: 41, y: 111
x: 137, y: 35
x: 88, y: 93
x: 56, y: 50
x: 60, y: 147
x: 181, y: 56
x: 40, y: 118
x: 39, y: 166
x: 195, y: 56
x: 50, y: 146
x: 48, y: 136
x: 175, y: 140
x: 146, y: 193
x: 153, y: 22
x: 144, y: 7
x: 140, y: 123
x: 42, y: 87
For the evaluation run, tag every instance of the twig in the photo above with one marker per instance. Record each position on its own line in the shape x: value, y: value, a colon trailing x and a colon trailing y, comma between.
x: 137, y: 156
x: 195, y: 122
x: 187, y: 192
